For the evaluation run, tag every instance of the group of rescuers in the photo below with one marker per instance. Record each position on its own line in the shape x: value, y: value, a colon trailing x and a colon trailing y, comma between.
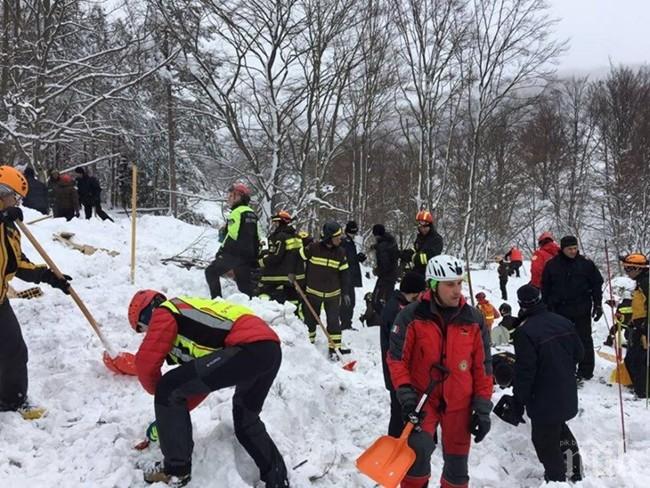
x: 434, y: 340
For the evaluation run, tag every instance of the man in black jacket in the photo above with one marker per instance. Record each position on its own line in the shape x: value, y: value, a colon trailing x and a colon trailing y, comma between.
x: 547, y: 349
x: 572, y: 287
x: 410, y: 287
x: 428, y: 243
x: 386, y: 269
x: 90, y: 194
x: 354, y: 258
x: 239, y: 244
x: 37, y: 194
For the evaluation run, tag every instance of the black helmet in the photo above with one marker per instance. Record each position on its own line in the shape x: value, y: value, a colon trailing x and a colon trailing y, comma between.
x: 331, y: 229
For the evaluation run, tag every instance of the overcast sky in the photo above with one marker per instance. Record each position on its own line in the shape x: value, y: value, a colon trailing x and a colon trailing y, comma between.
x: 602, y: 29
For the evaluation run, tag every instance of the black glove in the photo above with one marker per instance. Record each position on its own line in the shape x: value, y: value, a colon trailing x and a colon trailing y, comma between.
x: 597, y: 312
x: 346, y: 300
x: 222, y: 233
x: 408, y: 399
x: 480, y: 423
x: 510, y: 410
x: 361, y: 257
x: 55, y: 282
x: 11, y: 214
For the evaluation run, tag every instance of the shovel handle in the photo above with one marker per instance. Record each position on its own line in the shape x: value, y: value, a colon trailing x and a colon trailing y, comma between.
x: 318, y: 320
x: 82, y: 306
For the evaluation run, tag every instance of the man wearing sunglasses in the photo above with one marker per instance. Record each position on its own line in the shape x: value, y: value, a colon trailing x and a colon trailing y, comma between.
x: 13, y: 351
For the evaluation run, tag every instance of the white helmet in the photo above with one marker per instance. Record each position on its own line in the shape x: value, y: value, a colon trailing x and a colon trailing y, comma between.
x: 444, y: 268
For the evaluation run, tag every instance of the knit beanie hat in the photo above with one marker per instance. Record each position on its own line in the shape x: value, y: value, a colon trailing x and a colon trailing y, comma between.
x: 351, y: 227
x: 568, y: 241
x: 528, y: 295
x: 378, y: 230
x: 412, y: 282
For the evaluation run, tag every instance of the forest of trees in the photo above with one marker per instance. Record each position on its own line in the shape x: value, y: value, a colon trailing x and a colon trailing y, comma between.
x: 334, y: 109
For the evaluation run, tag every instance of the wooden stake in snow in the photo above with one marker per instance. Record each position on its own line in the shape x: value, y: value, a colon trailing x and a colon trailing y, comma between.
x: 134, y: 213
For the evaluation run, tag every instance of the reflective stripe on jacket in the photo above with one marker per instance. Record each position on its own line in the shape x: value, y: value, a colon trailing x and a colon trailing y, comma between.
x: 184, y: 328
x: 13, y: 262
x: 327, y: 270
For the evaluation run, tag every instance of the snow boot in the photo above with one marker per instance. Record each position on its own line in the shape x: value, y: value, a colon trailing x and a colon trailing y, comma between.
x: 332, y: 352
x: 25, y: 409
x: 156, y: 474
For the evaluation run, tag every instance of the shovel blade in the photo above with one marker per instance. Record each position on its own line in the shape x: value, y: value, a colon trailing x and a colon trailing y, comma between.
x: 387, y: 461
x: 350, y: 366
x: 123, y: 363
x: 620, y: 375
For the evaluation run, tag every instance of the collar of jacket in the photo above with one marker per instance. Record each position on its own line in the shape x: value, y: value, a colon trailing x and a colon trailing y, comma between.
x: 429, y: 309
x: 524, y: 313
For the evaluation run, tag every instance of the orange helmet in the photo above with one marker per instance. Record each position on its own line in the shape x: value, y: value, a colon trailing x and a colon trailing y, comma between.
x: 545, y: 236
x: 424, y: 216
x: 282, y: 216
x: 634, y: 260
x: 142, y: 301
x: 13, y: 179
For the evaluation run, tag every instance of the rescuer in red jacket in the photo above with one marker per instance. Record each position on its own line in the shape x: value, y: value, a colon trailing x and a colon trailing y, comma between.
x: 442, y: 338
x: 548, y: 248
x: 217, y: 344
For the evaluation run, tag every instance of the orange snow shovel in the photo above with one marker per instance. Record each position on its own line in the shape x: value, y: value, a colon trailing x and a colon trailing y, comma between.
x: 388, y: 459
x: 346, y: 366
x: 122, y: 363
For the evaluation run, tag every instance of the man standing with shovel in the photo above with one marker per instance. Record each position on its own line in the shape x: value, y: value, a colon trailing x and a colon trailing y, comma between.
x: 438, y: 333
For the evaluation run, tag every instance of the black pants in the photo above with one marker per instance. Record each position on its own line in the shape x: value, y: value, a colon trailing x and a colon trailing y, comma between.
x: 557, y: 450
x: 221, y: 265
x: 635, y: 362
x: 514, y: 268
x: 347, y: 312
x: 383, y: 289
x: 332, y: 310
x: 13, y: 360
x: 395, y: 424
x: 504, y: 291
x: 251, y: 369
x: 88, y: 211
x: 583, y: 327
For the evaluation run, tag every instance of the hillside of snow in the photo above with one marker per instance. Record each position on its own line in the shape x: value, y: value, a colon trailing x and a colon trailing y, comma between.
x: 320, y: 416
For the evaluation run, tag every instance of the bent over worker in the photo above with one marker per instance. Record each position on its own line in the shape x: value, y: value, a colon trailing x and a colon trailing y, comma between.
x: 217, y: 344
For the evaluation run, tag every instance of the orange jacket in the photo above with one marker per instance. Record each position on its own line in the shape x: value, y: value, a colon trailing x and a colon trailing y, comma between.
x: 515, y: 254
x: 489, y: 312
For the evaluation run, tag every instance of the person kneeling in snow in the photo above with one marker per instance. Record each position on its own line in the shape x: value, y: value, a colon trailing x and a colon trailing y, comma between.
x: 217, y: 344
x: 441, y: 332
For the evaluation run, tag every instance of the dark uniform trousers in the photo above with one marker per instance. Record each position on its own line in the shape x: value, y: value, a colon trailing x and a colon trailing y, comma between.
x: 251, y: 369
x: 347, y: 312
x: 13, y: 360
x: 332, y: 309
x: 557, y: 449
x: 221, y: 265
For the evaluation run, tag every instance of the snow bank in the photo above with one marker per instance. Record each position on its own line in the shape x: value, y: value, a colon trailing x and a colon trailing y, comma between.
x: 320, y: 416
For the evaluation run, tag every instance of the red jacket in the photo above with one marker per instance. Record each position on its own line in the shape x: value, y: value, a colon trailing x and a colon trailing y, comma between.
x: 538, y: 261
x: 515, y: 254
x: 418, y: 342
x: 161, y: 334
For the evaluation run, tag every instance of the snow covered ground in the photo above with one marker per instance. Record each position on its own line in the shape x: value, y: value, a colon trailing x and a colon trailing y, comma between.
x: 321, y: 416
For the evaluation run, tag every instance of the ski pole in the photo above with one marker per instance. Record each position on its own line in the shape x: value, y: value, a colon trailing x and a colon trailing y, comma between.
x: 616, y: 344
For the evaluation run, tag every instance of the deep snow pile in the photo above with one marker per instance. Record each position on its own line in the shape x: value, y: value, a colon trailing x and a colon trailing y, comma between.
x: 320, y: 416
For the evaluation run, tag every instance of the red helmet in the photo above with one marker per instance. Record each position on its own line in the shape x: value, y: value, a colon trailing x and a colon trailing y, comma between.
x: 282, y: 216
x: 544, y: 236
x: 424, y: 216
x: 139, y: 303
x: 240, y: 188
